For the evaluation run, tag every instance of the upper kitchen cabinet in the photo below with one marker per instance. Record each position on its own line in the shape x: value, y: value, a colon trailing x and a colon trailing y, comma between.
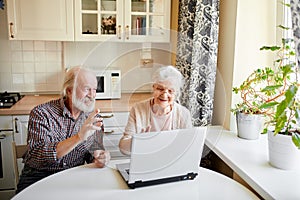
x: 122, y: 20
x: 40, y: 20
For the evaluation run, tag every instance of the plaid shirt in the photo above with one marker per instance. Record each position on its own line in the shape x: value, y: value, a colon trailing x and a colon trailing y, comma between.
x: 50, y: 123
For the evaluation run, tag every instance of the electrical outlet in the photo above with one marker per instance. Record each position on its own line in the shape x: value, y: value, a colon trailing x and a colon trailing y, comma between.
x: 147, y: 62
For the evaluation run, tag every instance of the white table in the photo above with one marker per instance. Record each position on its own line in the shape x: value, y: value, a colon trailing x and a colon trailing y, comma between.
x: 249, y: 159
x: 87, y: 182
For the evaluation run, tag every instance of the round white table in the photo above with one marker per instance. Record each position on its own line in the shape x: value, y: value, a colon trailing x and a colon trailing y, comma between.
x: 87, y: 182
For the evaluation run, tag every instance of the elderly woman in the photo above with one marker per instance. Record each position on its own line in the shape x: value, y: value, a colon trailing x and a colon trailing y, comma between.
x: 160, y: 112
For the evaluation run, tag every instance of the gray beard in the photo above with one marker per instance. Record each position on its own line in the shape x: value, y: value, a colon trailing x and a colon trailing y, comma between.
x: 80, y: 105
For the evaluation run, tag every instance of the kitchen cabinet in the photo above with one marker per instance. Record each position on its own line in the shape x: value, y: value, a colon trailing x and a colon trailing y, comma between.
x: 12, y: 128
x: 40, y: 20
x: 122, y: 20
x: 114, y: 125
x: 7, y: 183
x: 20, y: 124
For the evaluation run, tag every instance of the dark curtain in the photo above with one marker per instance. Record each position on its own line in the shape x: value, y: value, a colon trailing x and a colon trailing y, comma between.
x: 197, y: 47
x: 198, y: 26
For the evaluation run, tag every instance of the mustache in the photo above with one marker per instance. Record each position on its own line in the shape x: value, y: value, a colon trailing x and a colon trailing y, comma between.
x: 84, y: 99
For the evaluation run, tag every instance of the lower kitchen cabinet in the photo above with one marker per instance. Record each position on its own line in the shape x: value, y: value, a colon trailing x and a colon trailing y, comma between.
x: 114, y: 125
x: 7, y: 181
x: 20, y: 124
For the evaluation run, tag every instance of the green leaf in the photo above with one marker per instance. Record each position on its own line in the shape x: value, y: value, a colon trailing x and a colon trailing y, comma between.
x: 286, y: 69
x: 283, y: 27
x: 296, y: 139
x: 280, y: 124
x: 271, y: 88
x: 297, y: 114
x: 272, y: 48
x: 290, y: 94
x: 268, y: 105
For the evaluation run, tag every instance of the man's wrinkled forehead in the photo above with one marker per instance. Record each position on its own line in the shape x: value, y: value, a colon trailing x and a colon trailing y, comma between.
x: 86, y: 78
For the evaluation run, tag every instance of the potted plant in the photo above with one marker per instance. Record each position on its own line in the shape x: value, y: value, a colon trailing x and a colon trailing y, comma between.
x: 284, y: 139
x: 259, y: 93
x: 273, y: 93
x: 264, y: 94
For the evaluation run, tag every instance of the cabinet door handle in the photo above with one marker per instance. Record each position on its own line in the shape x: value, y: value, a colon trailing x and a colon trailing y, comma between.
x: 109, y: 132
x: 127, y: 32
x: 3, y: 136
x: 107, y: 116
x: 119, y: 32
x: 16, y: 125
x: 11, y: 30
x: 4, y: 130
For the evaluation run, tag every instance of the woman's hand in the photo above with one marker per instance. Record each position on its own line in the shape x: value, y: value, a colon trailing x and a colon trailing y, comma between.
x: 101, y: 158
x: 147, y: 129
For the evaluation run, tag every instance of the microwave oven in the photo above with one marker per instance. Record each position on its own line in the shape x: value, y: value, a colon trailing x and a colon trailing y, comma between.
x: 109, y: 84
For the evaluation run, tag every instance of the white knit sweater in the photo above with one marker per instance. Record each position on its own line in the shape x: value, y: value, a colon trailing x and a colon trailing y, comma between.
x: 140, y: 117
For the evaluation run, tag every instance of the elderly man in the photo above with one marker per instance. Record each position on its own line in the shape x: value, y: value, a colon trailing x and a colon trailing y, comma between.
x: 65, y: 132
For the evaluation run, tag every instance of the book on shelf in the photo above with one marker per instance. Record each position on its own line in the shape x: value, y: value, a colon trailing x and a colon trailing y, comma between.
x: 140, y: 26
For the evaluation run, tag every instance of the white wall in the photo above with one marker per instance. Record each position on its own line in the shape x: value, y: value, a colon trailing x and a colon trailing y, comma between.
x: 124, y: 56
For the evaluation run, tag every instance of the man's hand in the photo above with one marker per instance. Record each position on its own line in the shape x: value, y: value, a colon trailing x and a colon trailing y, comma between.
x: 101, y: 158
x: 91, y: 124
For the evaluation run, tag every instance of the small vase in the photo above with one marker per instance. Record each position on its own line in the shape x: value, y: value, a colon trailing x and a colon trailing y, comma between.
x: 283, y: 153
x: 249, y: 126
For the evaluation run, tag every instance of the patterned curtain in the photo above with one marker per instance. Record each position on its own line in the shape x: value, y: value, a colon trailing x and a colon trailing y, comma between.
x: 198, y: 27
x: 295, y: 9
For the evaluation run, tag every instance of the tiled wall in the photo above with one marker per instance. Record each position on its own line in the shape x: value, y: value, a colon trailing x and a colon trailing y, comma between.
x: 29, y: 66
x: 36, y: 66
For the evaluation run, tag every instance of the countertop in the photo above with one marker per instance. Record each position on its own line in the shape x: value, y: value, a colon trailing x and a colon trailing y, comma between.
x: 249, y: 159
x: 28, y: 102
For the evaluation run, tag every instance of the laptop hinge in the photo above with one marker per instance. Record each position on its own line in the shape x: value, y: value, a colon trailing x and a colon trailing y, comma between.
x: 139, y: 183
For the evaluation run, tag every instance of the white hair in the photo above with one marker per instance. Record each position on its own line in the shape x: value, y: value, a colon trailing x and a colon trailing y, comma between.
x: 171, y: 74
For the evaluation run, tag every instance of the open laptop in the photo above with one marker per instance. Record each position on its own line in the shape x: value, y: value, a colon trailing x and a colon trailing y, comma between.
x: 162, y: 157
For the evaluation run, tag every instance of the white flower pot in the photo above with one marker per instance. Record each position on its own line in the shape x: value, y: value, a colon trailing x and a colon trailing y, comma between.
x: 249, y: 126
x: 283, y: 154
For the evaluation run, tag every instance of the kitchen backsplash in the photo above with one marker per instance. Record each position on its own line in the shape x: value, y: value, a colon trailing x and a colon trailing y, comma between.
x: 35, y: 66
x: 124, y: 56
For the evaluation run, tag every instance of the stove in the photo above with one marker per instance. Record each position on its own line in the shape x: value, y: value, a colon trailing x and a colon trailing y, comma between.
x: 8, y: 99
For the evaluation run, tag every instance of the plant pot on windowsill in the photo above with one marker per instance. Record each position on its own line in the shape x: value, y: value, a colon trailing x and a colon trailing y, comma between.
x: 264, y: 88
x: 258, y: 95
x: 283, y: 154
x: 249, y: 126
x: 284, y: 141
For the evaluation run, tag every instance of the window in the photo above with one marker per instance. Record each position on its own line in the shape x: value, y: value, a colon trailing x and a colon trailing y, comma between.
x: 287, y: 20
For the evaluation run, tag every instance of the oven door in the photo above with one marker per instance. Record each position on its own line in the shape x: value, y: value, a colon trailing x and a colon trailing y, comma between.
x: 7, y: 178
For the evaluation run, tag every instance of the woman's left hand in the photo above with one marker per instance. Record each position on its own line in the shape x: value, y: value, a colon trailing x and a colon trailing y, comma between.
x: 147, y: 129
x: 101, y: 158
